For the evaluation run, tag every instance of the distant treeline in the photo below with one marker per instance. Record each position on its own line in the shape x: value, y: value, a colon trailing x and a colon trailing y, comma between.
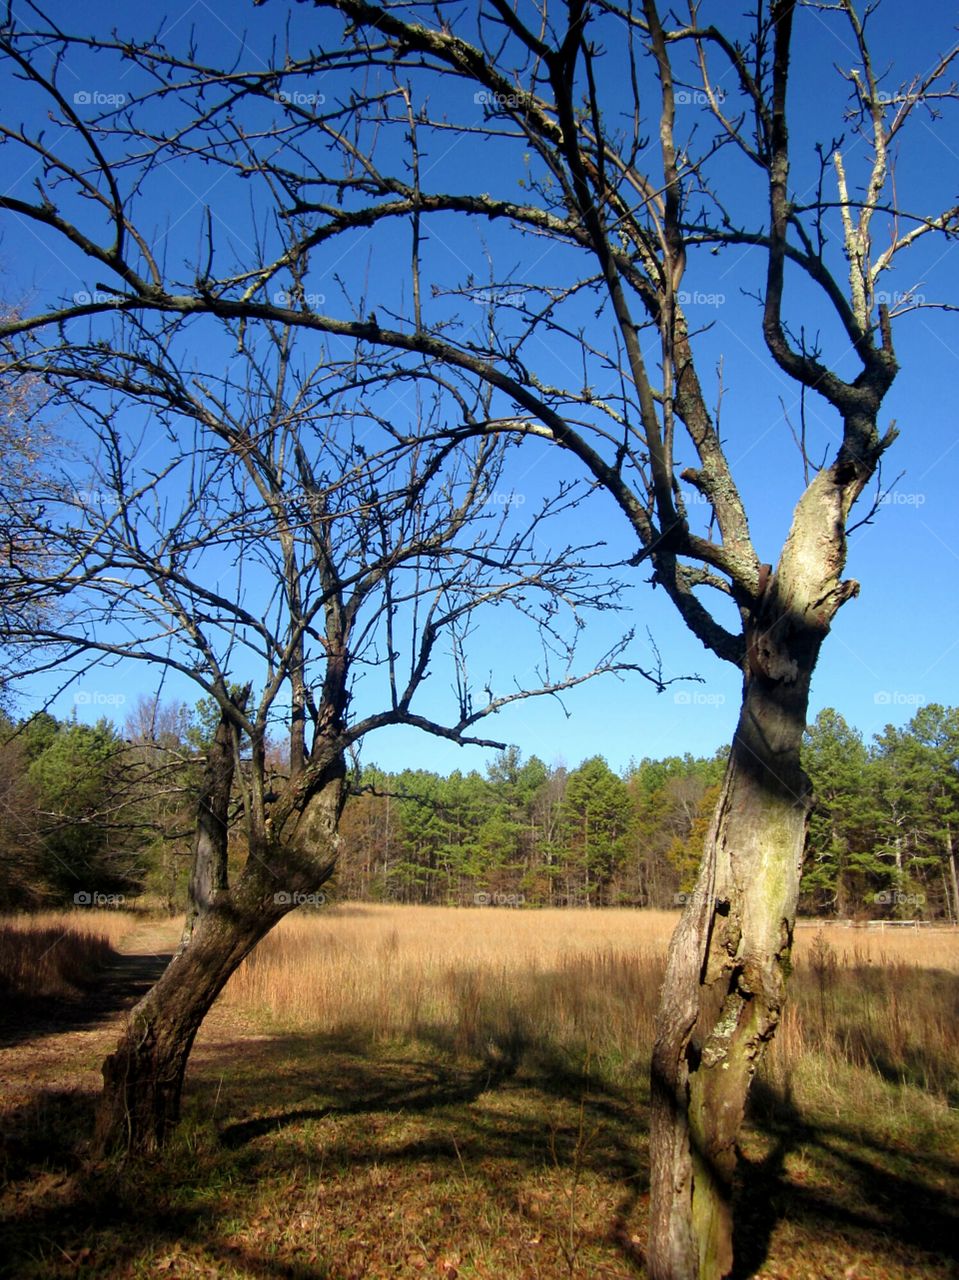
x: 88, y: 814
x: 527, y: 833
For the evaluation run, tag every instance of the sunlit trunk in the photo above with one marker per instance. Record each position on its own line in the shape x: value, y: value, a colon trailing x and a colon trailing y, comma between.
x: 725, y: 984
x: 729, y: 958
x: 143, y: 1077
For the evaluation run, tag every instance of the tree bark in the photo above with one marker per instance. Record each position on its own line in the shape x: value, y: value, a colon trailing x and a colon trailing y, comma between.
x: 209, y: 874
x: 728, y: 960
x: 143, y: 1078
x: 953, y: 881
x: 724, y: 988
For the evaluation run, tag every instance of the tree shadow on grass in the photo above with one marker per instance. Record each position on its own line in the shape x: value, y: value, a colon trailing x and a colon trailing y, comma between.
x: 374, y: 1079
x: 387, y: 1085
x: 864, y: 1199
x: 430, y: 1117
x: 439, y: 1134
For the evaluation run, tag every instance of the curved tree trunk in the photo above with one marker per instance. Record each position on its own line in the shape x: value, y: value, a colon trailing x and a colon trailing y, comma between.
x: 143, y: 1077
x: 728, y: 960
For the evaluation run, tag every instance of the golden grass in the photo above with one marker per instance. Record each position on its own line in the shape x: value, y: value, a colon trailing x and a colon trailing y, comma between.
x: 485, y: 979
x: 926, y: 948
x: 464, y: 1093
x: 57, y: 953
x: 493, y: 983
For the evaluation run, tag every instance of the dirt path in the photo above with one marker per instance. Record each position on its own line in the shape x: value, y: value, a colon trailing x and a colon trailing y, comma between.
x: 58, y: 1046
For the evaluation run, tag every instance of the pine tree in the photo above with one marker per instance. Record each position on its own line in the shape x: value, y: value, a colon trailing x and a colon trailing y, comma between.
x: 841, y: 864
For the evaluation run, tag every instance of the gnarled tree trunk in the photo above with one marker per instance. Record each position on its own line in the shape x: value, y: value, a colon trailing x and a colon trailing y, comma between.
x: 143, y: 1077
x: 728, y: 960
x: 289, y: 859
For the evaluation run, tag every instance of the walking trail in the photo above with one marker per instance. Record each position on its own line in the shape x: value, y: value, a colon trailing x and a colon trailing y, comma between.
x: 58, y: 1046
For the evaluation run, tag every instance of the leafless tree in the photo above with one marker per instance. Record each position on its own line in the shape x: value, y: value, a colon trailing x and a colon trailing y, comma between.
x: 23, y: 441
x: 583, y: 339
x: 268, y: 527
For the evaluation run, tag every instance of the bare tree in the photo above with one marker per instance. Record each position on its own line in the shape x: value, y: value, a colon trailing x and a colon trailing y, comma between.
x: 583, y: 340
x: 23, y: 441
x: 265, y: 528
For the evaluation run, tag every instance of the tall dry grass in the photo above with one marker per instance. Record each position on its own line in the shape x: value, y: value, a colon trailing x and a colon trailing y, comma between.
x: 861, y: 946
x: 501, y: 984
x: 57, y: 953
x: 885, y: 1004
x: 484, y: 981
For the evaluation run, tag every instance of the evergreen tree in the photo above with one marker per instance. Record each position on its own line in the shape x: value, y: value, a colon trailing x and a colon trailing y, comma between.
x: 841, y: 864
x: 596, y: 819
x: 918, y: 768
x: 85, y: 848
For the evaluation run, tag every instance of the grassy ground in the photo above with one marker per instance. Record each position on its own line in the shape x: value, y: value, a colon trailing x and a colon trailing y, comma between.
x: 410, y: 1092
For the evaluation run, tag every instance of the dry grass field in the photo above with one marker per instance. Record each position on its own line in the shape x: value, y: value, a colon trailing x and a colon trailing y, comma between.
x: 495, y: 981
x: 403, y: 1091
x: 57, y: 953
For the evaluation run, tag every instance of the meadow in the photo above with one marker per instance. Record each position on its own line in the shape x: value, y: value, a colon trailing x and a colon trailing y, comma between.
x: 419, y: 1091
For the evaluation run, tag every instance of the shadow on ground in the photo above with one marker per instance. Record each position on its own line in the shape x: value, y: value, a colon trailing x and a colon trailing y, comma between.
x: 125, y: 980
x: 884, y: 1194
x: 337, y: 1115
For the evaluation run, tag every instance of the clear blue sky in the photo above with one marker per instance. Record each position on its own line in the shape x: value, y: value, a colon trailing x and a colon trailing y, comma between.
x: 892, y: 649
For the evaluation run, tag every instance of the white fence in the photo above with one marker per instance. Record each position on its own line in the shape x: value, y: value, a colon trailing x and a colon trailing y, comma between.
x: 877, y: 924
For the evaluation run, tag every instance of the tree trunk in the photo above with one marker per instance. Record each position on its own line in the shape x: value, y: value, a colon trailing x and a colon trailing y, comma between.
x: 209, y: 873
x: 728, y: 960
x: 724, y: 988
x: 953, y: 881
x: 143, y: 1078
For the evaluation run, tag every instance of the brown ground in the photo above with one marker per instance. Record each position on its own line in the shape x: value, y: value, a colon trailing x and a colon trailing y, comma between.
x: 51, y: 1050
x: 308, y: 1155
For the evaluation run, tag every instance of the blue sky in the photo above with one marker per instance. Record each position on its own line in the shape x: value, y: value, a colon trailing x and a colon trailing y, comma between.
x: 892, y: 649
